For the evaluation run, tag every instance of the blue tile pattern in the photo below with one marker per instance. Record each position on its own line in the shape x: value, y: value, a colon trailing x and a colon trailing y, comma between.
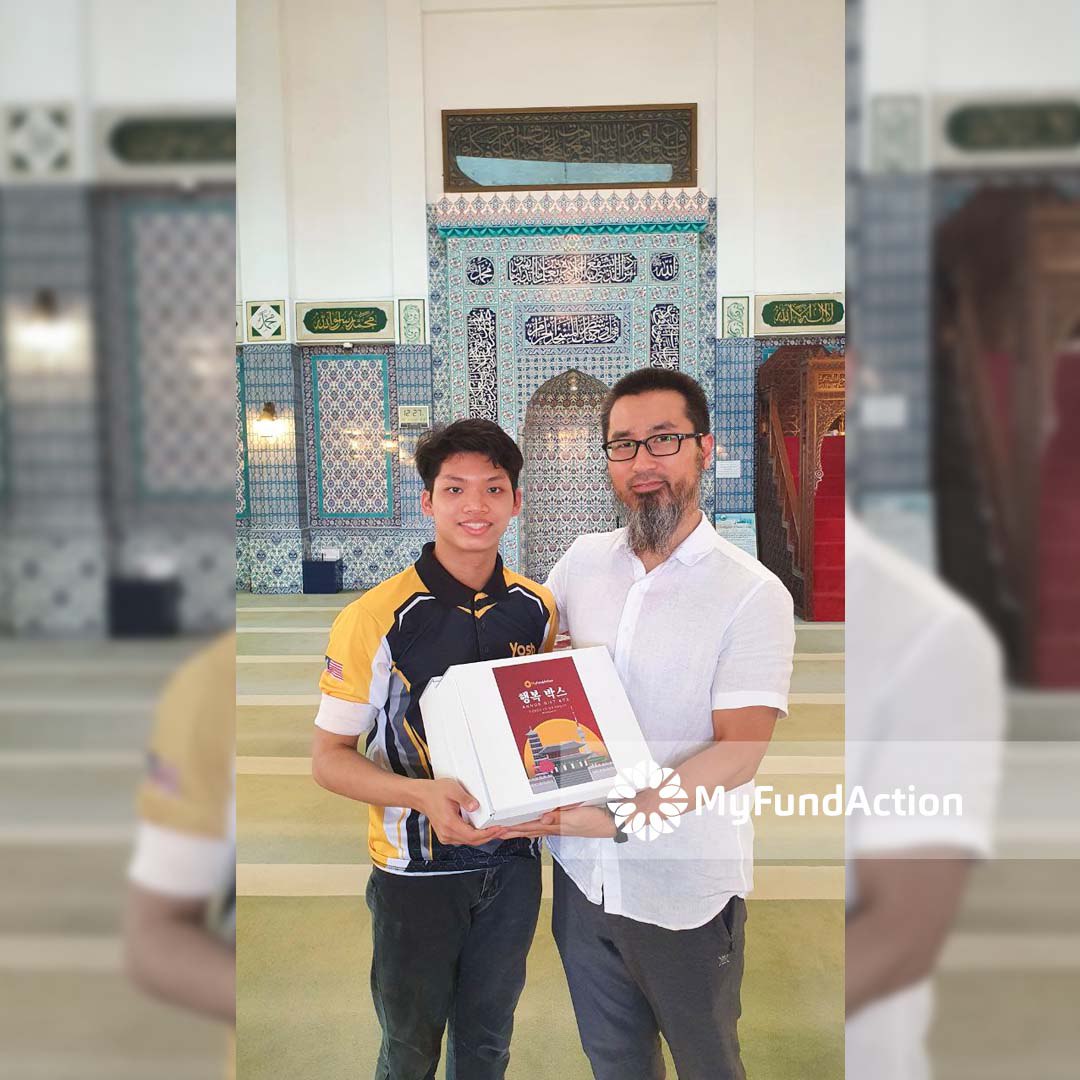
x: 243, y: 498
x: 243, y: 557
x: 736, y: 365
x: 59, y: 581
x: 413, y: 365
x: 362, y: 407
x: 271, y: 463
x: 164, y: 262
x: 275, y: 556
x: 413, y: 388
x: 352, y: 424
x: 673, y: 259
x: 269, y: 542
x: 53, y: 541
x: 373, y: 555
x: 181, y: 265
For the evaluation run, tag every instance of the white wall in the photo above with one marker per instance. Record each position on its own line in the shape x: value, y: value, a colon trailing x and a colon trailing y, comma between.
x: 161, y: 51
x: 31, y: 30
x: 352, y: 146
x: 798, y: 102
x: 928, y: 48
x: 91, y: 54
x: 735, y: 179
x: 338, y: 149
x: 588, y: 55
x: 263, y: 243
x: 961, y: 46
x: 118, y: 52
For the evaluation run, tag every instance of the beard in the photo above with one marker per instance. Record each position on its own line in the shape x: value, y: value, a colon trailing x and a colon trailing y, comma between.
x: 653, y: 519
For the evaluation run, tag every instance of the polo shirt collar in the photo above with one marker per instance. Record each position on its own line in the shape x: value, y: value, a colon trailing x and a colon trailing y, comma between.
x: 443, y: 585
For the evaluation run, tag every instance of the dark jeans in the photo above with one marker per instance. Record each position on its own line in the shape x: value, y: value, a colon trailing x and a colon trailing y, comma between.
x: 631, y: 981
x: 450, y: 949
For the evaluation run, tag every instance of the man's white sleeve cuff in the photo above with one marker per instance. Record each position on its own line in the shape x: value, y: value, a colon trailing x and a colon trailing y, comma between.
x: 883, y: 839
x: 179, y: 864
x: 745, y: 698
x: 345, y: 717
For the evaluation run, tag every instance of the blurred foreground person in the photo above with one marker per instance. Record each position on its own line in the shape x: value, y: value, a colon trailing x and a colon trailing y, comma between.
x: 925, y: 710
x: 180, y: 923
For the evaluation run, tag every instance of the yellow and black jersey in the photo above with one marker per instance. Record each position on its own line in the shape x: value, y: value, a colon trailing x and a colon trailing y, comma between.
x: 384, y: 648
x: 186, y: 801
x: 185, y: 845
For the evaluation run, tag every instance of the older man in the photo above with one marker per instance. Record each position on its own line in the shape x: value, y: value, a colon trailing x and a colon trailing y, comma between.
x: 702, y: 635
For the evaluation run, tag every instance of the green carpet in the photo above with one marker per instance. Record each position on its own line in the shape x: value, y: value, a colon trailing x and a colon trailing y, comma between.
x: 305, y: 1007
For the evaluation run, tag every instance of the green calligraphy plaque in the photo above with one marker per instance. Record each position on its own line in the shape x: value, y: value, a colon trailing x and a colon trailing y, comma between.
x: 366, y: 320
x: 1035, y: 125
x: 196, y: 140
x: 802, y: 313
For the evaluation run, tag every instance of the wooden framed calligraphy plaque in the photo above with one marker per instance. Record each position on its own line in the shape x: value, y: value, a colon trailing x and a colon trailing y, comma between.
x: 592, y: 146
x: 349, y: 320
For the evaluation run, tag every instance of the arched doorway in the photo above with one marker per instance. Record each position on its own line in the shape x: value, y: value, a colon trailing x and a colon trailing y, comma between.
x: 565, y: 477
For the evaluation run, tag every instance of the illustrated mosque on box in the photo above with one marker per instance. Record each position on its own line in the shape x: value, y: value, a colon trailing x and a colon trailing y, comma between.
x: 566, y: 764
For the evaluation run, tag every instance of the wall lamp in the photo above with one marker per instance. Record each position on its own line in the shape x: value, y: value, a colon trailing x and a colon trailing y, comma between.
x: 268, y: 424
x: 46, y: 330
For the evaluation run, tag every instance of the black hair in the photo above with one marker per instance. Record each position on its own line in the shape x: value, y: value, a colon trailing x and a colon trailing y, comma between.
x: 466, y: 437
x: 652, y: 378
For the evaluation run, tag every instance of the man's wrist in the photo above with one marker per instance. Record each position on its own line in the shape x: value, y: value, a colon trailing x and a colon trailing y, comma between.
x: 616, y: 833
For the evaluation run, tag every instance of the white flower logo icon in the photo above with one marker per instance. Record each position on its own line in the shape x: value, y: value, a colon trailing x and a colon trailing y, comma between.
x: 648, y: 825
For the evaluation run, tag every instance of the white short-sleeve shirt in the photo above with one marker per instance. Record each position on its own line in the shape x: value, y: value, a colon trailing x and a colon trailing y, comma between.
x: 709, y: 628
x: 925, y: 707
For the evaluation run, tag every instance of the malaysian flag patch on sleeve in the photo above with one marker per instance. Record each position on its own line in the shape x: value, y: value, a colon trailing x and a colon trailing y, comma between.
x: 162, y: 775
x: 333, y: 667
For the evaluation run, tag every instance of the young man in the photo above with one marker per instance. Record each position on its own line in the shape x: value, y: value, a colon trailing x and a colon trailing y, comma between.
x: 702, y: 635
x: 180, y: 915
x: 453, y: 908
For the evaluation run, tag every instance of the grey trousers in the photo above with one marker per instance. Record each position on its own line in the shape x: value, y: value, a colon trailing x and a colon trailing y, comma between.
x: 630, y: 982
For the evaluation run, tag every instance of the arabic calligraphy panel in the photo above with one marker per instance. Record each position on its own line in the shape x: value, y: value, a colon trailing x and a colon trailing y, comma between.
x: 665, y: 266
x: 601, y: 327
x: 572, y: 329
x: 482, y: 352
x: 587, y: 147
x: 361, y: 320
x: 798, y: 313
x: 600, y: 268
x: 480, y: 271
x: 664, y: 336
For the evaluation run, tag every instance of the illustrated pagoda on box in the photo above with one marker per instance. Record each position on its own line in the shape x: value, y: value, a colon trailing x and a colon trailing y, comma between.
x: 565, y: 764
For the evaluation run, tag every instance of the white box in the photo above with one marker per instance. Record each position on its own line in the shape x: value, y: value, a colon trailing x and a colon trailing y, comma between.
x: 530, y: 734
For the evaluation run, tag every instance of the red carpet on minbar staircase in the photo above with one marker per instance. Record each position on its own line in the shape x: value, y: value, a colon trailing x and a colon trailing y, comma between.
x: 828, y: 600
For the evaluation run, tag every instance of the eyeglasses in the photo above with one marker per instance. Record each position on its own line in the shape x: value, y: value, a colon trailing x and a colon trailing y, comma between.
x: 664, y: 445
